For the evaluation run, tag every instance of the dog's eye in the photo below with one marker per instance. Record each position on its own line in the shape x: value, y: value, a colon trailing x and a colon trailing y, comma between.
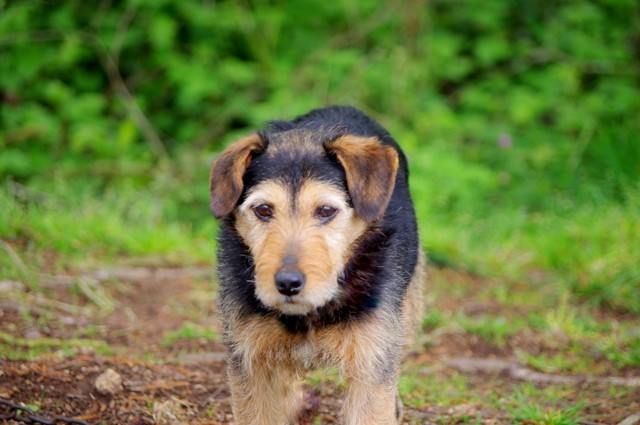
x: 326, y: 213
x: 263, y: 211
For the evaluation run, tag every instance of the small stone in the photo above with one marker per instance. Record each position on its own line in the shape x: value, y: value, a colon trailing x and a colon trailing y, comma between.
x: 173, y: 411
x: 32, y: 334
x: 109, y: 382
x: 11, y: 285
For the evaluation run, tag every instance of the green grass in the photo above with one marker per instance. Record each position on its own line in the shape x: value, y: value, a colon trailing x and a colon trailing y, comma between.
x: 622, y: 347
x: 61, y: 228
x: 494, y: 329
x: 547, y: 333
x: 13, y: 348
x: 581, y: 245
x: 419, y: 389
x: 317, y: 378
x: 529, y: 405
x: 570, y: 361
x: 433, y: 318
x: 189, y: 331
x: 464, y: 397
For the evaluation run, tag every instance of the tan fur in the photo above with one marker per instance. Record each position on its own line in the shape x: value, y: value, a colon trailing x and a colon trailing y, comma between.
x: 320, y: 249
x: 273, y: 378
x: 267, y: 397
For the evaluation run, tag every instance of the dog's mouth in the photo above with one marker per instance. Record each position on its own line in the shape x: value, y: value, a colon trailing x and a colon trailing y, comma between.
x: 294, y: 305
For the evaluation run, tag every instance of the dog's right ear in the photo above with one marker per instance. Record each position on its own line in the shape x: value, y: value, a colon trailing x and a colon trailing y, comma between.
x: 225, y: 183
x: 371, y: 169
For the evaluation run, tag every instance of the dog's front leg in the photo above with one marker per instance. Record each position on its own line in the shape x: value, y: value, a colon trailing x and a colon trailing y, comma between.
x: 371, y: 365
x: 265, y: 395
x: 369, y: 403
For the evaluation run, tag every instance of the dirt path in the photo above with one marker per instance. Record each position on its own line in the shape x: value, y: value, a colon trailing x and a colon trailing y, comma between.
x: 157, y: 333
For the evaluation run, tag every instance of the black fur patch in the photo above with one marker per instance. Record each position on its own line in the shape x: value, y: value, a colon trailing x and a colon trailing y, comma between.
x: 293, y: 167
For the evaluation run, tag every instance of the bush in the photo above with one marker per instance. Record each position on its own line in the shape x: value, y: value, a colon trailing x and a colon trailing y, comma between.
x: 557, y: 83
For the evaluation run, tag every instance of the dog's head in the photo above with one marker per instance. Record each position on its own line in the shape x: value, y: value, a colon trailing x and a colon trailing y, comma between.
x: 301, y: 199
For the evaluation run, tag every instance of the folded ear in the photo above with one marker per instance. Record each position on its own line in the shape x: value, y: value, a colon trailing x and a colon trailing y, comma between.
x: 371, y: 169
x: 225, y: 183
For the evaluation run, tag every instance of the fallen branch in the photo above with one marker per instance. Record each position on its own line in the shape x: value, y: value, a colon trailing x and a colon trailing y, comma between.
x: 126, y: 274
x: 631, y: 420
x: 521, y: 373
x: 16, y: 258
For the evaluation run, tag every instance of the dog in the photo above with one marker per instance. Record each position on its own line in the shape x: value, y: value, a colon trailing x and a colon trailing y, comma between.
x: 319, y: 265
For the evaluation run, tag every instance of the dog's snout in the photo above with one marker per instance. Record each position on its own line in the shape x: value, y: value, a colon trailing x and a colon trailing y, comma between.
x: 289, y: 282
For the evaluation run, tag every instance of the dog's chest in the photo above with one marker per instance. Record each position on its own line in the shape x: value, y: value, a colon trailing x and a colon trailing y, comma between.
x: 326, y: 347
x: 310, y: 350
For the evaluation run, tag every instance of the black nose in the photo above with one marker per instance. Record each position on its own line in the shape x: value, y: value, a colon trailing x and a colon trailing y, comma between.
x: 289, y: 282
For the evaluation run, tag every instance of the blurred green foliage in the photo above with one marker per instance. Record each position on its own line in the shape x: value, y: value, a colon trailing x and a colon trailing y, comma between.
x: 521, y: 118
x: 556, y: 84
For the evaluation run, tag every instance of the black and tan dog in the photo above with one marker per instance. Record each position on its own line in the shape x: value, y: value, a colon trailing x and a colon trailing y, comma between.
x: 319, y: 264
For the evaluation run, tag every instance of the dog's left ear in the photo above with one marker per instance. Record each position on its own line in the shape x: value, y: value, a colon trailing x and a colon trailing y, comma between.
x: 371, y: 169
x: 225, y: 183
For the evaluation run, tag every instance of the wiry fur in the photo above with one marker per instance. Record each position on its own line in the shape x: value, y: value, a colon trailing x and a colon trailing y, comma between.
x: 362, y: 269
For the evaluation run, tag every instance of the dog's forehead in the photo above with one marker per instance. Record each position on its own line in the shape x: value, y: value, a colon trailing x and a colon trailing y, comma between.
x: 295, y: 143
x: 293, y: 156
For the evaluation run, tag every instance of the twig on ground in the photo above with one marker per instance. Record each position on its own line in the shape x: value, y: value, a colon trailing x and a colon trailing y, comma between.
x: 125, y: 273
x: 15, y: 258
x: 631, y: 420
x: 96, y: 294
x: 41, y: 301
